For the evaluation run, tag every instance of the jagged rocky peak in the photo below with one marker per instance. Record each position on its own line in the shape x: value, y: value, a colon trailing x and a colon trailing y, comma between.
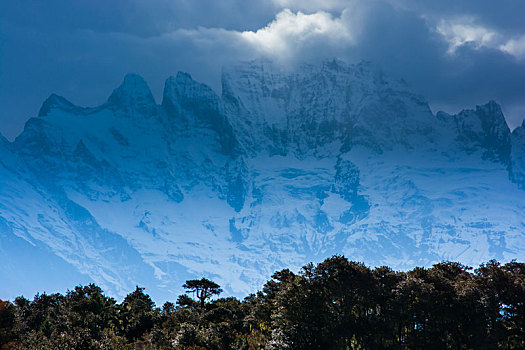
x: 257, y: 93
x: 268, y: 79
x: 520, y: 130
x: 483, y: 128
x: 134, y: 96
x: 183, y: 91
x: 55, y: 101
x: 312, y: 105
x: 493, y: 119
x: 518, y: 134
x: 191, y: 104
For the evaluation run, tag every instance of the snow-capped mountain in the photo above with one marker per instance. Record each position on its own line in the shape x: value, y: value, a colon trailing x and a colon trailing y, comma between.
x: 283, y: 168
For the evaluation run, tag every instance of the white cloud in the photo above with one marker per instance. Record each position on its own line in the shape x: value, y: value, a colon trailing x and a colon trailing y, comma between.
x: 464, y: 31
x: 515, y: 47
x: 290, y: 34
x: 290, y: 31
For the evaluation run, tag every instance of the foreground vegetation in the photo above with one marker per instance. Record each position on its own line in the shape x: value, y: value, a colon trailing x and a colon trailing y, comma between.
x: 337, y: 304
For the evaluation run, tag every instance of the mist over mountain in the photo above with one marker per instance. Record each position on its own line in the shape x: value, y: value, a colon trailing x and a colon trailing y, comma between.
x: 286, y: 166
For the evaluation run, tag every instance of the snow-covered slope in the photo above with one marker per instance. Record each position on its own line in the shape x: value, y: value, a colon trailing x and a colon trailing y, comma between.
x: 285, y: 167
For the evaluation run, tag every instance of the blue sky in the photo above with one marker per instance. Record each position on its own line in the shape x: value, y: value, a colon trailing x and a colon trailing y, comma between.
x: 456, y: 53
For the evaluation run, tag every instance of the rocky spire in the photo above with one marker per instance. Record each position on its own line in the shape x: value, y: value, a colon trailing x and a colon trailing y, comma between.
x: 134, y: 96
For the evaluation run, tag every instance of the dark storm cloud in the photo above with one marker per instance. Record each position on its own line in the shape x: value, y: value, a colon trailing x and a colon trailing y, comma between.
x: 456, y: 56
x: 138, y: 17
x: 407, y: 44
x: 505, y: 14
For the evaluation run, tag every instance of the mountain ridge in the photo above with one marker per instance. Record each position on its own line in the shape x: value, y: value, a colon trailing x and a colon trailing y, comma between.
x: 282, y: 168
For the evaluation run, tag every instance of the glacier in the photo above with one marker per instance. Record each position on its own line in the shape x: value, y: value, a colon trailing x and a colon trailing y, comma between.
x: 284, y: 167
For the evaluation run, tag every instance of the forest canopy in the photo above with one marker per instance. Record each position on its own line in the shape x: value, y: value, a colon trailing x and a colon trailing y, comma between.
x: 336, y: 304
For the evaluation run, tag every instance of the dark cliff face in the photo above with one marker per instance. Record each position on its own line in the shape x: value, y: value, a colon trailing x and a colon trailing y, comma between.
x: 134, y: 96
x: 300, y: 111
x: 517, y: 164
x: 192, y: 104
x: 483, y: 128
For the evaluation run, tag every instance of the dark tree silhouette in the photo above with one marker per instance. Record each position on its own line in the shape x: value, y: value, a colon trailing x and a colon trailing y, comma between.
x: 337, y: 304
x: 203, y: 289
x: 137, y: 314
